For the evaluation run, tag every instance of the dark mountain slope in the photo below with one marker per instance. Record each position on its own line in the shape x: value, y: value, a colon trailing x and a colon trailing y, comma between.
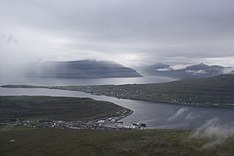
x: 81, y: 69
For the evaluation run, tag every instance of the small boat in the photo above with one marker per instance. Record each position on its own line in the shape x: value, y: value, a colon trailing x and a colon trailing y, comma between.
x: 139, y: 124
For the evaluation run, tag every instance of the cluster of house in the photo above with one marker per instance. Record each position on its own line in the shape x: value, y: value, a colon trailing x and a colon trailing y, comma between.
x: 112, y: 123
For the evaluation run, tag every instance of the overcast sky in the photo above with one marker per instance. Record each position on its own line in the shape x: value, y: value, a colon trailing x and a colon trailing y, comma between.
x: 130, y: 32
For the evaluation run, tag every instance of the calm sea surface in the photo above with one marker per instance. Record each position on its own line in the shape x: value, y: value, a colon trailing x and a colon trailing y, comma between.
x: 88, y: 81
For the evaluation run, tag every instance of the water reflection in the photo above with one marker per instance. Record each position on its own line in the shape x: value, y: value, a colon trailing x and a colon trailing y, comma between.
x: 89, y: 81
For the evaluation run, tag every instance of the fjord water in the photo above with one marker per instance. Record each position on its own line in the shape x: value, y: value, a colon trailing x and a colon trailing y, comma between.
x: 155, y: 115
x: 80, y: 81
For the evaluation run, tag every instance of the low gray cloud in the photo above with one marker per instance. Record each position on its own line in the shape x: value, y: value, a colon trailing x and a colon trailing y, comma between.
x: 179, y: 114
x: 137, y: 31
x: 215, y: 131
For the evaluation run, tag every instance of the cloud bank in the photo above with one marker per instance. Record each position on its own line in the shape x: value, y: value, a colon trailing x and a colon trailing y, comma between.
x: 130, y: 32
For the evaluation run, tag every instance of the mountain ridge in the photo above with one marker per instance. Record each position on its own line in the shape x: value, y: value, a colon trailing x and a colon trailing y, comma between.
x: 192, y: 71
x: 81, y: 69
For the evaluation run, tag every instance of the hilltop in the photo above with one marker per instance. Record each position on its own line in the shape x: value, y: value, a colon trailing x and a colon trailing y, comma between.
x: 51, y: 142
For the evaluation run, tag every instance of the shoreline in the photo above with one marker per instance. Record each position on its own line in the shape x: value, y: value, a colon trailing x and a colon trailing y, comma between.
x: 88, y: 121
x: 226, y: 106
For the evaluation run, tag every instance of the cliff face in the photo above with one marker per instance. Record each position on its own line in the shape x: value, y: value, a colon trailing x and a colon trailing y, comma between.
x: 81, y: 69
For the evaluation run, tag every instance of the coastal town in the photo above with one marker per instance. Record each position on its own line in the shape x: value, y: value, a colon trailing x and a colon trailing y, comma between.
x: 111, y: 123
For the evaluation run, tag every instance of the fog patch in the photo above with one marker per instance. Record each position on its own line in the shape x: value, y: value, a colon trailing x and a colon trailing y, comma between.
x: 213, y: 130
x: 6, y: 128
x: 179, y: 114
x: 228, y: 70
x: 179, y: 66
x: 191, y: 116
x: 11, y: 72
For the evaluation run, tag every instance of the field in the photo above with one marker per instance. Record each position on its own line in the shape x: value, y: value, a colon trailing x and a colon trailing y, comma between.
x: 106, y: 143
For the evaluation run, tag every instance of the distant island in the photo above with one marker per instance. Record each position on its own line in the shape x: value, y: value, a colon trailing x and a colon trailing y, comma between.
x: 215, y: 91
x: 80, y: 69
x: 192, y: 71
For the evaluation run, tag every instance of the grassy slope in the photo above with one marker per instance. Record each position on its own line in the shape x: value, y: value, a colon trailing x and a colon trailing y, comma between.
x: 92, y: 142
x: 57, y: 108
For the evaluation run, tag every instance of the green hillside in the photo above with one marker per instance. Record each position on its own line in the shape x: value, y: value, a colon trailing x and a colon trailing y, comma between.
x: 54, y: 108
